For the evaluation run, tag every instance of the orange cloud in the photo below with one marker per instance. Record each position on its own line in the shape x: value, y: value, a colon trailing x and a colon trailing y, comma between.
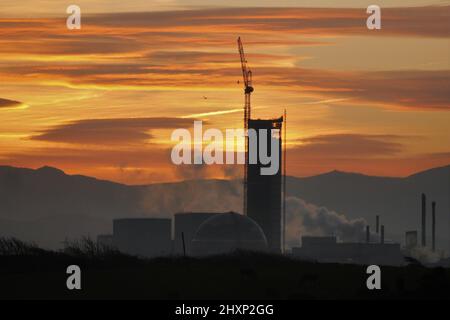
x: 422, y: 21
x: 109, y: 131
x: 409, y: 89
x: 343, y: 145
x: 6, y: 103
x: 107, y: 33
x: 185, y: 49
x: 373, y: 154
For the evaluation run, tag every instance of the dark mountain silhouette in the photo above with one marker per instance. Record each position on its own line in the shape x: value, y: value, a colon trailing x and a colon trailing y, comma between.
x: 46, y: 205
x: 30, y: 194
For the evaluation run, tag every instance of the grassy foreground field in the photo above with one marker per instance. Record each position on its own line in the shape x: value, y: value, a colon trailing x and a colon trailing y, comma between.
x: 27, y: 272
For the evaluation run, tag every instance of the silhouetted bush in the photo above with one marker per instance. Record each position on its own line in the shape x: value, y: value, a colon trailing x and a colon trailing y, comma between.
x: 88, y: 248
x: 15, y: 247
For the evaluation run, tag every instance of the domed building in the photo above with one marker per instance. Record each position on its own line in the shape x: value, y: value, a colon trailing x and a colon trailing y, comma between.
x: 227, y: 232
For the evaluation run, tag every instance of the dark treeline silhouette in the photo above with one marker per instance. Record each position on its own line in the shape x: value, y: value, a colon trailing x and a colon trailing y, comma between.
x: 29, y: 272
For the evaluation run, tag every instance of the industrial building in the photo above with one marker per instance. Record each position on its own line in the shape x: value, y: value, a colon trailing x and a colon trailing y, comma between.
x: 227, y: 232
x: 147, y: 237
x: 195, y: 234
x: 264, y: 191
x: 328, y: 250
x: 185, y: 226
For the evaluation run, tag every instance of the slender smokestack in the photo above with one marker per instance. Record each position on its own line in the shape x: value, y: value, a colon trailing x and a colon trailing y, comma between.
x: 382, y: 234
x: 184, y: 245
x: 433, y: 225
x: 424, y: 219
x: 377, y: 228
x: 284, y: 179
x: 367, y: 234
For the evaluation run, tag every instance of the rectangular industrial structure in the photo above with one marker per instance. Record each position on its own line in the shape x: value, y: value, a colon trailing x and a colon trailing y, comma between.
x: 264, y: 192
x: 147, y: 237
x: 327, y: 249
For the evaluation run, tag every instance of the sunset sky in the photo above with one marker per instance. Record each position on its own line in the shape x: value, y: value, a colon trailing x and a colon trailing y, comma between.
x: 103, y: 101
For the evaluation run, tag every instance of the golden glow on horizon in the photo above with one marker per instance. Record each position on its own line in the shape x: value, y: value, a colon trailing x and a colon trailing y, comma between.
x: 346, y: 112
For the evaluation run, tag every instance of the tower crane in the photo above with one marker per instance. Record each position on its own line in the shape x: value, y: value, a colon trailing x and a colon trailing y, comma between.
x: 248, y: 89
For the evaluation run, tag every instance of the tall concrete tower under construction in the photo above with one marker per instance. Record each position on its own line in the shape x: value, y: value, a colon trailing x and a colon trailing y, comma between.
x: 264, y: 192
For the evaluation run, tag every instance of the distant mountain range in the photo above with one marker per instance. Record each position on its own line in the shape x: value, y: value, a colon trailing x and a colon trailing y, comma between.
x: 47, y: 206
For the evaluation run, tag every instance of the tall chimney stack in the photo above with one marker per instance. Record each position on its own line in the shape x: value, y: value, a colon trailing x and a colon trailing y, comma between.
x: 382, y: 234
x: 424, y: 220
x: 377, y: 228
x: 367, y: 234
x: 433, y: 225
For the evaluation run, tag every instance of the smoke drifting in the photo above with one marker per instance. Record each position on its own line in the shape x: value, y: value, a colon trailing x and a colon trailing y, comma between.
x: 308, y: 219
x: 193, y: 172
x: 193, y: 195
x: 204, y: 171
x: 425, y: 255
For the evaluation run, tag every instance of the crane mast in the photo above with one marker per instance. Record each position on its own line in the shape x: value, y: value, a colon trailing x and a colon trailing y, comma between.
x: 248, y: 89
